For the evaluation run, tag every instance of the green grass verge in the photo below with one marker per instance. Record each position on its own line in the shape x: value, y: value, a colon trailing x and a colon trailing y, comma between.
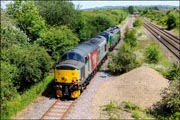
x: 20, y: 102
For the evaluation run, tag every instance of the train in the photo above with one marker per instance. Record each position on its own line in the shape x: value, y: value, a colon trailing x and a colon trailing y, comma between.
x: 77, y: 66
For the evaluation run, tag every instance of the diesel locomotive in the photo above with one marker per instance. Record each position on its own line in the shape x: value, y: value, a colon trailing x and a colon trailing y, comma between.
x: 77, y: 66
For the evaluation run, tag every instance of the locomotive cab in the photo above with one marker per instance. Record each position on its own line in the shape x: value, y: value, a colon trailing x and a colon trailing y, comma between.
x: 67, y: 81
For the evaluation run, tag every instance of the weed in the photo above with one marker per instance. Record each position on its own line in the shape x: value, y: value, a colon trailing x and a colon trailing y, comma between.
x: 136, y: 111
x: 111, y: 110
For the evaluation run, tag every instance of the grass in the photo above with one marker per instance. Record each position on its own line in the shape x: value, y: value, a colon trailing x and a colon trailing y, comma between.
x: 112, y: 110
x: 136, y: 111
x: 20, y: 102
x: 164, y: 63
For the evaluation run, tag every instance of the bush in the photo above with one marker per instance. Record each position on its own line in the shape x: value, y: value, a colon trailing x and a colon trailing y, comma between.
x: 174, y: 73
x: 152, y: 53
x: 169, y: 106
x: 130, y: 37
x: 8, y: 72
x: 32, y: 64
x: 138, y: 23
x: 123, y: 61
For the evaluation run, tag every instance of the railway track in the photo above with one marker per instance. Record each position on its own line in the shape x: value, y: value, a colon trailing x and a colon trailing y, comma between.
x: 168, y: 40
x: 58, y: 110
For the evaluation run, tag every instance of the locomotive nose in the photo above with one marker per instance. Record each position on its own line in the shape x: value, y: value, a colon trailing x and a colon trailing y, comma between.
x: 68, y: 78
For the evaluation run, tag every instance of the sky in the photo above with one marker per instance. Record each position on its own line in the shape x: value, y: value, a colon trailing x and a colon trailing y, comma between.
x: 94, y: 3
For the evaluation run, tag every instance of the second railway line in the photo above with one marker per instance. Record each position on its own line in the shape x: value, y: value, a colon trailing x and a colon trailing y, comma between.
x: 171, y: 43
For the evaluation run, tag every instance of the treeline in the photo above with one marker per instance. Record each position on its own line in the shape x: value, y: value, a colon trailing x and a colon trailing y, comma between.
x: 35, y: 34
x: 169, y: 19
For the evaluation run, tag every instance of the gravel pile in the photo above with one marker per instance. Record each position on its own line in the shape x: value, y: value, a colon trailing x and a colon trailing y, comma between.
x: 141, y: 86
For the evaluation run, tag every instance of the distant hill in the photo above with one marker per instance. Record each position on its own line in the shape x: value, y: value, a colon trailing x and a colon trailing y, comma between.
x: 118, y: 7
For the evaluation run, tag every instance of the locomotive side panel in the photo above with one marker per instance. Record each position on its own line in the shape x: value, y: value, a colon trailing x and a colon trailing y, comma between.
x: 102, y: 50
x: 94, y: 59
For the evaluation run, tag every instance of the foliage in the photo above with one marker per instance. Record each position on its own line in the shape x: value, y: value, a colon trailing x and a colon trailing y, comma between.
x: 57, y: 41
x: 169, y: 106
x: 58, y: 12
x: 138, y: 23
x: 101, y: 22
x: 129, y: 106
x: 173, y: 19
x: 90, y: 23
x: 130, y: 37
x: 152, y: 53
x: 131, y: 9
x: 136, y: 111
x: 111, y: 110
x: 170, y: 19
x: 8, y: 73
x: 173, y: 73
x: 27, y: 16
x: 32, y: 62
x: 19, y: 102
x: 10, y: 34
x: 123, y: 61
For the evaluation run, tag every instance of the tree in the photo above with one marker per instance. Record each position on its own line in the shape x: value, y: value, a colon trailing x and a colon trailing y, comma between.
x: 130, y: 37
x: 173, y: 19
x: 152, y: 53
x: 138, y: 23
x: 27, y: 16
x: 101, y: 22
x: 58, y: 12
x: 131, y: 9
x: 123, y: 61
x: 10, y: 34
x: 32, y: 63
x: 58, y: 40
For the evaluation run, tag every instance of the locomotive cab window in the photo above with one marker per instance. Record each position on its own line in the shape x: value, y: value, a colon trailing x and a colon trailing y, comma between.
x: 64, y: 57
x: 74, y: 56
x: 86, y: 59
x: 105, y: 47
x: 65, y: 68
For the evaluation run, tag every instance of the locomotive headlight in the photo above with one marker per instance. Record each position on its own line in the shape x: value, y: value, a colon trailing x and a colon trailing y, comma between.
x: 72, y: 73
x: 64, y: 78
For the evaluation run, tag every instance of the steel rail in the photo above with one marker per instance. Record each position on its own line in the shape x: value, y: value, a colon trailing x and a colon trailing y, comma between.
x: 164, y: 41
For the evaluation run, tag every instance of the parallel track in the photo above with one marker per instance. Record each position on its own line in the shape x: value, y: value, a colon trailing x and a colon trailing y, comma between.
x: 168, y: 40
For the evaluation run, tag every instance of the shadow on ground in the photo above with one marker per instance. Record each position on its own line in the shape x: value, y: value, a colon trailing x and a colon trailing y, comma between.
x: 49, y: 92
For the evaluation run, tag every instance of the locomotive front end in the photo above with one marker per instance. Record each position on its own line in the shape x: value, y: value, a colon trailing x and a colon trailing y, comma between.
x: 67, y: 81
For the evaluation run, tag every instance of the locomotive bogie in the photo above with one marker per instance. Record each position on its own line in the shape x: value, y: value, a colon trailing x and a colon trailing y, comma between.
x: 75, y: 94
